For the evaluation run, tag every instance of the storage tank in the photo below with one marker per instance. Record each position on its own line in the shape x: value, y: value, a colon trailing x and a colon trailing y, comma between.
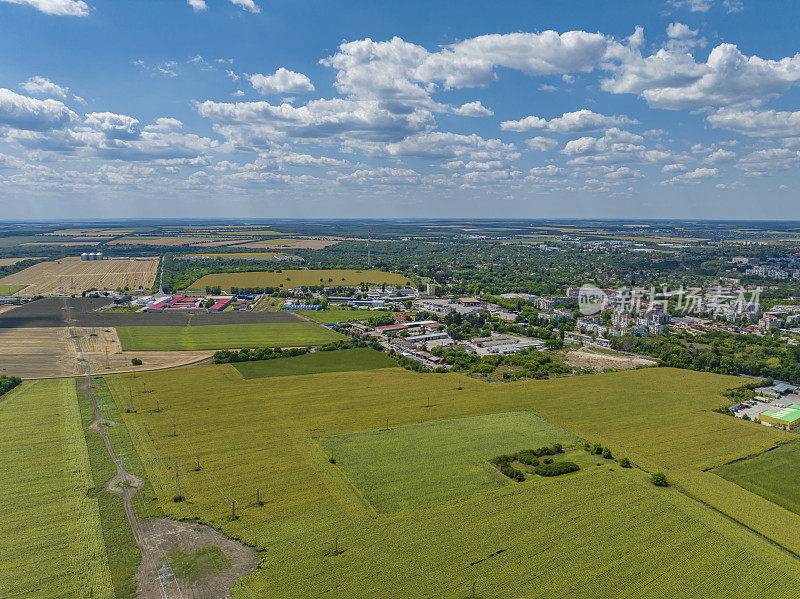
x: 99, y: 256
x: 92, y: 256
x: 84, y: 256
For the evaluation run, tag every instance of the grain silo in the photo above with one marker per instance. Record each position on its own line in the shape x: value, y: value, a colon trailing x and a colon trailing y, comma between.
x: 84, y: 256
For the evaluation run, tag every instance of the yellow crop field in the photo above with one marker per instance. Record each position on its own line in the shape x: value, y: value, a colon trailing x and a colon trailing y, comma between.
x: 73, y: 275
x: 299, y: 278
x: 52, y: 544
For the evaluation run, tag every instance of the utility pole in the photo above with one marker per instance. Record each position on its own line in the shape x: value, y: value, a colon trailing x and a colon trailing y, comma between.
x: 165, y: 577
x: 124, y: 465
x: 178, y: 495
x: 233, y: 510
x: 130, y: 397
x: 369, y: 248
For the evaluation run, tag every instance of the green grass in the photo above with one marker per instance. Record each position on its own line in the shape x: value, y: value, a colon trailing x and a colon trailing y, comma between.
x: 773, y: 475
x: 334, y: 315
x: 10, y: 289
x: 361, y: 358
x: 227, y: 336
x: 420, y: 465
x: 123, y: 553
x: 52, y: 543
x: 289, y: 279
x: 600, y: 532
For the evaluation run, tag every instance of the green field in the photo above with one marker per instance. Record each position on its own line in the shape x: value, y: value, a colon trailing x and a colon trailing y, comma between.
x: 224, y: 336
x: 10, y: 289
x: 772, y: 475
x: 52, y: 542
x: 334, y: 315
x: 601, y: 532
x: 299, y: 278
x: 361, y: 358
x: 392, y: 472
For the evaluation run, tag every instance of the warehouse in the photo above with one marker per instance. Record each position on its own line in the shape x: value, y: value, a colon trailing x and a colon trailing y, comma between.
x: 785, y: 417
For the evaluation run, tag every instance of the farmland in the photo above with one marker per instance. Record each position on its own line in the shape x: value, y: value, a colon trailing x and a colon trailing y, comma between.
x: 455, y: 525
x: 299, y: 278
x: 420, y: 465
x: 11, y: 289
x: 73, y: 275
x: 334, y: 315
x: 773, y: 475
x: 319, y: 362
x: 52, y: 539
x: 280, y: 334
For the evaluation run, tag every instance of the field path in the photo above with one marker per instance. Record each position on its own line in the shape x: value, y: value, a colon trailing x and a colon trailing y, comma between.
x: 157, y: 537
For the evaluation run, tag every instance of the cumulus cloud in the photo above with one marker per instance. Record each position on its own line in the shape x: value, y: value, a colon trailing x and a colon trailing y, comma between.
x: 255, y: 122
x: 720, y: 156
x: 248, y: 5
x: 704, y: 6
x: 198, y: 5
x: 69, y: 8
x: 114, y: 126
x: 473, y: 109
x: 672, y: 79
x: 41, y: 86
x: 282, y: 81
x: 541, y: 144
x: 439, y: 144
x: 766, y: 123
x: 569, y: 122
x: 694, y: 176
x: 615, y: 146
x: 22, y: 112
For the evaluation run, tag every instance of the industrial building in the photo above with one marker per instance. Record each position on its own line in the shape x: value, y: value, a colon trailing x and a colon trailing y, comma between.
x: 786, y: 417
x: 189, y: 304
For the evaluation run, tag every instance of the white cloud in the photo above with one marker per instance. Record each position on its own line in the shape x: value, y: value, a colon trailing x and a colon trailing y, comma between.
x: 249, y: 123
x: 615, y: 146
x: 70, y: 8
x: 693, y: 5
x: 164, y: 124
x: 439, y: 144
x: 198, y: 5
x: 766, y: 123
x: 22, y: 112
x: 694, y: 176
x: 550, y: 171
x: 473, y: 109
x: 679, y: 31
x: 672, y: 79
x: 720, y: 156
x: 246, y: 5
x: 570, y: 122
x: 623, y: 172
x: 114, y: 126
x: 282, y: 81
x: 542, y: 144
x: 41, y: 86
x: 673, y: 168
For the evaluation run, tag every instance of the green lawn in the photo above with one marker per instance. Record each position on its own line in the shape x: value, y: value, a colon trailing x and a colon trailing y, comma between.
x: 773, y: 475
x: 52, y: 542
x: 226, y: 336
x: 362, y: 358
x: 289, y: 279
x: 419, y: 465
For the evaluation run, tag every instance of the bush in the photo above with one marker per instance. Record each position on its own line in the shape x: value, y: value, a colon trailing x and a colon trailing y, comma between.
x: 556, y: 468
x: 607, y: 454
x: 624, y: 462
x: 659, y: 479
x: 557, y: 448
x: 527, y: 457
x: 548, y: 460
x: 597, y: 449
x: 136, y: 361
x: 512, y: 473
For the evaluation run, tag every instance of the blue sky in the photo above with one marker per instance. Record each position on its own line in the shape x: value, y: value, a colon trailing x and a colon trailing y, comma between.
x: 251, y: 108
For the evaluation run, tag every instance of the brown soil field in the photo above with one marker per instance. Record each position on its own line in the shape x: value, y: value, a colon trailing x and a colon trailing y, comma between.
x: 52, y: 352
x: 63, y: 243
x: 73, y: 275
x: 598, y: 361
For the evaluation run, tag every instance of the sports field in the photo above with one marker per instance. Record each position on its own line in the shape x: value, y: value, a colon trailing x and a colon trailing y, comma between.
x: 299, y: 278
x: 772, y: 475
x: 227, y: 336
x: 361, y: 358
x: 601, y: 532
x: 52, y: 542
x: 393, y: 473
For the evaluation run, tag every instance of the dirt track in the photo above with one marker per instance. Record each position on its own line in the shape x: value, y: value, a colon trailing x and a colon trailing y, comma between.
x: 598, y: 361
